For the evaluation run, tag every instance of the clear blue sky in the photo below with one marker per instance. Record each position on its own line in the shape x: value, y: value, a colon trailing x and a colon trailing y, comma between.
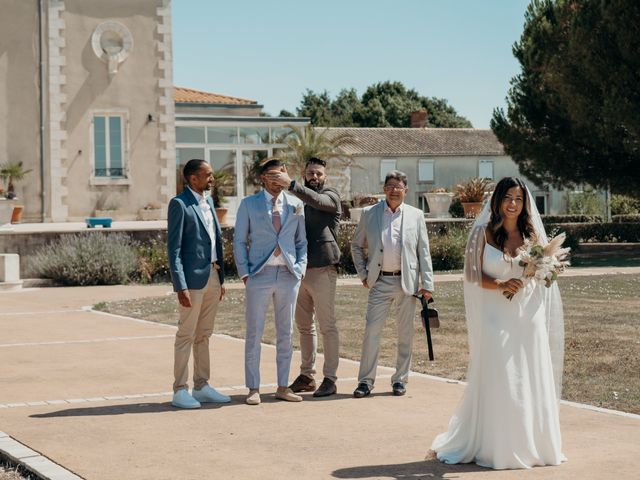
x: 272, y: 51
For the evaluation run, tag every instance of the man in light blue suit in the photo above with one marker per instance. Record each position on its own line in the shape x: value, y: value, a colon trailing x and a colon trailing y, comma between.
x: 194, y: 242
x: 270, y: 249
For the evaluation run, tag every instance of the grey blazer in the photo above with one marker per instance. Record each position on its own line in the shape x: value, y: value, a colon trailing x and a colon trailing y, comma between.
x: 322, y: 211
x: 366, y: 248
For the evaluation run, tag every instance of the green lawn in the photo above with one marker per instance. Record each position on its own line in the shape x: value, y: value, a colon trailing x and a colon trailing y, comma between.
x: 602, y: 320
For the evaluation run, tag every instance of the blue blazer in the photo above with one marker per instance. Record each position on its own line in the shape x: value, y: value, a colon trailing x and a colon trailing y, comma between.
x: 189, y: 243
x: 255, y: 238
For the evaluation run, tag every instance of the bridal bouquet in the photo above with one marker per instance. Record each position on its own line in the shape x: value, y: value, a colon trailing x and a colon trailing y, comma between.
x: 543, y: 262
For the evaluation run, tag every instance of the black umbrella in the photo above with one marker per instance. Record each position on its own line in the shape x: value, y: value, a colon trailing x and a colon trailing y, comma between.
x: 429, y: 320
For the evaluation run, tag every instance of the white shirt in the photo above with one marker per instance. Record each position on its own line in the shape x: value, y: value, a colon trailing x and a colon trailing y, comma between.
x: 279, y: 207
x: 208, y: 221
x: 392, y: 239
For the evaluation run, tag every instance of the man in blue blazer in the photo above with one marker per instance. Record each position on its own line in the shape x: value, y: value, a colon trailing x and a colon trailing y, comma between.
x: 196, y: 263
x: 270, y: 249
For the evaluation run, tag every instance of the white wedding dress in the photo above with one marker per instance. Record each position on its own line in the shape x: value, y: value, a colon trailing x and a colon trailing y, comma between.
x: 508, y: 417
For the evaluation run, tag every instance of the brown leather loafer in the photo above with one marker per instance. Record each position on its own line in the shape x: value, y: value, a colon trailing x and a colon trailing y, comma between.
x: 327, y: 387
x: 303, y: 384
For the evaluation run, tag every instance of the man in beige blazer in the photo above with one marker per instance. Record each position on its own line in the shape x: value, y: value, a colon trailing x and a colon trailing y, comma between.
x: 390, y: 250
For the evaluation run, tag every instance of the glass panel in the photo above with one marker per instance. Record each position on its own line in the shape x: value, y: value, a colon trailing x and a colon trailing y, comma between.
x: 222, y: 135
x: 183, y: 155
x: 279, y: 134
x: 485, y: 170
x: 99, y: 146
x: 385, y: 167
x: 540, y: 204
x: 190, y: 135
x: 425, y: 171
x: 225, y: 161
x: 251, y: 161
x: 115, y: 147
x: 254, y: 135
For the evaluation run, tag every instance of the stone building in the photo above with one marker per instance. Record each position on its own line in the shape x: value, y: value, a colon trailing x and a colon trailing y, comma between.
x: 86, y: 103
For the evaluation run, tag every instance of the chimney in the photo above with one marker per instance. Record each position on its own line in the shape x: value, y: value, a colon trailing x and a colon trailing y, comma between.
x: 419, y: 119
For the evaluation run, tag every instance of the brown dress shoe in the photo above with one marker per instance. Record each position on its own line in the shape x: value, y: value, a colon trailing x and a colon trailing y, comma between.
x: 303, y: 384
x: 327, y: 387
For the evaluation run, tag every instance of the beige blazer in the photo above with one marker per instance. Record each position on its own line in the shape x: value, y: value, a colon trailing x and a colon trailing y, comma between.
x: 366, y: 248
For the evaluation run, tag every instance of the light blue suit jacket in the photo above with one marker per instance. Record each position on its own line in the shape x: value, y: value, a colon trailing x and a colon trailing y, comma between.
x: 189, y: 244
x: 255, y: 238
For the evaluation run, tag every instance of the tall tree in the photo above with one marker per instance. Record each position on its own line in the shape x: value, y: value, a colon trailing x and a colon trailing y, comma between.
x: 573, y: 113
x: 384, y: 104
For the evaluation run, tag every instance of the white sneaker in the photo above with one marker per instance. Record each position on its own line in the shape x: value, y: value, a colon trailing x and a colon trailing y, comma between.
x: 208, y: 394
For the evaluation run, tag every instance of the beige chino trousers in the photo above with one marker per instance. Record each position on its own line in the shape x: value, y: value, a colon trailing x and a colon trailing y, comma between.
x: 316, y: 297
x: 195, y: 326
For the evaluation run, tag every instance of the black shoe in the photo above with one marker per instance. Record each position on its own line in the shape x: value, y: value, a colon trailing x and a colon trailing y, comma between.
x: 363, y: 390
x: 399, y: 389
x: 326, y: 388
x: 303, y: 384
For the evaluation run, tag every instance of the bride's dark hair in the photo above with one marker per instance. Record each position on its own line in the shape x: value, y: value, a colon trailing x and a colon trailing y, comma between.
x: 496, y: 222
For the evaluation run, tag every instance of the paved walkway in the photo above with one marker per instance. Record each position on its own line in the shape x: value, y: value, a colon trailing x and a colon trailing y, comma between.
x: 90, y: 391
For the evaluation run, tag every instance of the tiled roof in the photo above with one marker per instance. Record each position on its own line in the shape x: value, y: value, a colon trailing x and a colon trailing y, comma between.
x: 419, y: 141
x: 187, y: 95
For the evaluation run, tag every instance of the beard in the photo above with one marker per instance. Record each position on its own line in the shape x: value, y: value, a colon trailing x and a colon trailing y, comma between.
x: 313, y: 185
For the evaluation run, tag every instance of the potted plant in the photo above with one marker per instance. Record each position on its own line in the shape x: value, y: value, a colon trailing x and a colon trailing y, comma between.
x: 151, y: 211
x: 471, y: 193
x: 13, y: 172
x: 439, y: 201
x: 221, y: 181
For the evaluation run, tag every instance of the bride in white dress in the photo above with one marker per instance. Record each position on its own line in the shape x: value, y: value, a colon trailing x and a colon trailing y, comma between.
x: 508, y: 417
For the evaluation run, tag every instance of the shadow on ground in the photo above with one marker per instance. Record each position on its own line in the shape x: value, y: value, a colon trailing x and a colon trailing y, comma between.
x: 426, y: 469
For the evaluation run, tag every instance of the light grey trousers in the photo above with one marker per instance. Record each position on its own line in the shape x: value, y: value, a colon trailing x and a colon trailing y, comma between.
x: 385, y: 291
x: 279, y: 285
x: 316, y: 300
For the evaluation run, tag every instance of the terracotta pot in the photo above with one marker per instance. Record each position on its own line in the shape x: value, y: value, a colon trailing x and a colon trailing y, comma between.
x: 221, y: 213
x: 471, y: 209
x: 16, y: 215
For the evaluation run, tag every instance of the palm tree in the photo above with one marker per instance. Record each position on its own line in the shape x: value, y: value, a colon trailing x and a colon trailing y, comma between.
x: 309, y: 142
x: 12, y: 171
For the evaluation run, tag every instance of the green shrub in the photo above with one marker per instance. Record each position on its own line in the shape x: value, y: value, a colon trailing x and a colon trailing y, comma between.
x: 456, y: 209
x: 575, y: 218
x: 447, y: 250
x: 629, y: 218
x: 345, y: 234
x: 88, y: 259
x: 599, y: 232
x: 153, y: 261
x: 624, y: 205
x: 588, y: 202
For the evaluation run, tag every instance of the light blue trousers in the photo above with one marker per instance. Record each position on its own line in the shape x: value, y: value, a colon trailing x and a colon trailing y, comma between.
x: 280, y: 286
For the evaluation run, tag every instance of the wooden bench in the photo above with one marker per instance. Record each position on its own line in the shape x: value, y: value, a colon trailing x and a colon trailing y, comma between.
x: 93, y: 222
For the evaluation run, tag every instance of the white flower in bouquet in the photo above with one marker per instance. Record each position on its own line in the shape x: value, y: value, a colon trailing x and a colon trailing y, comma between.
x: 544, y: 263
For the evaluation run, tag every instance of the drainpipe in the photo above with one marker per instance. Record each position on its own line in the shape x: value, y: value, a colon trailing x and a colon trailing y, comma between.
x: 41, y: 66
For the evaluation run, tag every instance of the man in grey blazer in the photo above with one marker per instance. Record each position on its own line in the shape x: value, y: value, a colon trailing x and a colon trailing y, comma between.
x: 390, y: 250
x: 270, y: 250
x: 316, y: 298
x: 194, y: 242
